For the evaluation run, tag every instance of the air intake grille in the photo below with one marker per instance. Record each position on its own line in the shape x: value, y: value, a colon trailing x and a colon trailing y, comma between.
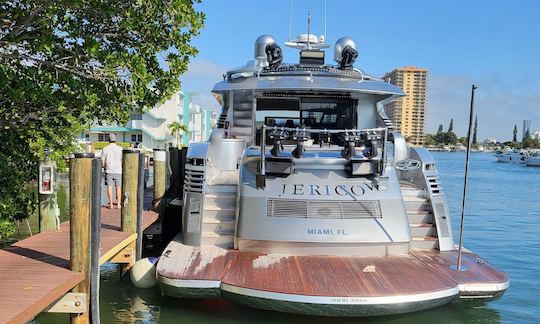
x: 323, y: 209
x: 194, y: 178
x: 434, y: 185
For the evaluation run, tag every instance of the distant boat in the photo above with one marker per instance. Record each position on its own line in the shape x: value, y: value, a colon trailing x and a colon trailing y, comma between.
x: 510, y: 157
x: 460, y: 148
x: 533, y: 160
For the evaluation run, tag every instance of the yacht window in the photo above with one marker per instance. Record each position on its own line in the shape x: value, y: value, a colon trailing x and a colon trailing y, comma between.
x: 304, y: 112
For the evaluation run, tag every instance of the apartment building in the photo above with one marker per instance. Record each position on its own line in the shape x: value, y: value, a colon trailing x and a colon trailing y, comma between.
x: 408, y: 113
x: 150, y: 129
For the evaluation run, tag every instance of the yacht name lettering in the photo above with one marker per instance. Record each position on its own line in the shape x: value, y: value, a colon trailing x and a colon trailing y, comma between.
x: 326, y: 190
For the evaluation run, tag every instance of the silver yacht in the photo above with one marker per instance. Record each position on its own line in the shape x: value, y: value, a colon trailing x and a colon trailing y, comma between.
x: 306, y: 199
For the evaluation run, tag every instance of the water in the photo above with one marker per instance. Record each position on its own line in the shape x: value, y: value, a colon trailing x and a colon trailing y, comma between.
x: 502, y: 225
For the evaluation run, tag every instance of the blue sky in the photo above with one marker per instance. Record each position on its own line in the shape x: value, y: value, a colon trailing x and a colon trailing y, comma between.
x: 495, y: 44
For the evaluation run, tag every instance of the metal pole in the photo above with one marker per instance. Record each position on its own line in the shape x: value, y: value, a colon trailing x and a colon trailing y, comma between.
x: 308, y: 28
x: 95, y: 238
x: 261, y: 176
x: 469, y: 142
x: 263, y: 153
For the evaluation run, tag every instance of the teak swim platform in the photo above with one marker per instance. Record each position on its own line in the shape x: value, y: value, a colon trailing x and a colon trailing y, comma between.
x: 35, y: 271
x: 327, y: 285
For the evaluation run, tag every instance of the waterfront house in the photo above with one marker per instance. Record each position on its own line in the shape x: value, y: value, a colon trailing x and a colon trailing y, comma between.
x: 150, y: 129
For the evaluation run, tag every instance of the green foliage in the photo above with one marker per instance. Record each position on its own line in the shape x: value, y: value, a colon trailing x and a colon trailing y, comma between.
x: 529, y: 143
x: 66, y: 64
x: 101, y: 145
x: 514, y: 138
x: 513, y: 144
x: 440, y: 129
x: 176, y: 129
x: 445, y: 138
x: 451, y: 126
x: 430, y: 141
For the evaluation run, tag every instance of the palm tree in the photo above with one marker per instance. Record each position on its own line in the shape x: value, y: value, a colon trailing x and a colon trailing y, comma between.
x: 176, y: 129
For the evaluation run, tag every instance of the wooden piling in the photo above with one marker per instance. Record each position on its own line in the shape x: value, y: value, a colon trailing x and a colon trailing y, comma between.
x: 47, y: 212
x: 130, y: 178
x: 80, y: 189
x: 95, y: 241
x: 160, y: 158
x: 174, y: 162
x: 140, y: 207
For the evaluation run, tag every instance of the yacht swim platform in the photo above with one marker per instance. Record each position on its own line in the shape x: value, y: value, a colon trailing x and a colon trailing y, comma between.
x: 327, y: 285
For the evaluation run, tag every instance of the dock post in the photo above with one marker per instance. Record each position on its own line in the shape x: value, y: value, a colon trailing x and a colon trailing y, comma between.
x: 130, y: 179
x: 95, y: 239
x: 174, y: 157
x: 160, y: 158
x: 140, y: 206
x: 183, y: 158
x: 80, y: 189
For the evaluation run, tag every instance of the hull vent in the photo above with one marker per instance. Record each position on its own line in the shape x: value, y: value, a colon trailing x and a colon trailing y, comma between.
x: 323, y: 209
x: 434, y: 186
x: 194, y: 178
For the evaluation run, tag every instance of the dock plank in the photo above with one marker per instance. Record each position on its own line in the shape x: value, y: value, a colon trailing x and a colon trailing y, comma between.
x: 35, y: 271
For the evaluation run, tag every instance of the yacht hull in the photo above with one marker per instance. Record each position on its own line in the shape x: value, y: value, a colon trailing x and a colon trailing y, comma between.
x: 510, y: 158
x: 337, y: 306
x: 533, y: 161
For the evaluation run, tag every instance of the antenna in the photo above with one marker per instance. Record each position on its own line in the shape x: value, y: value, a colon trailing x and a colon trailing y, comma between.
x: 290, y: 21
x: 308, y: 27
x: 325, y: 38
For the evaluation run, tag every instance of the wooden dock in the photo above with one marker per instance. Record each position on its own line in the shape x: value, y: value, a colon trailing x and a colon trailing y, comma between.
x: 35, y: 271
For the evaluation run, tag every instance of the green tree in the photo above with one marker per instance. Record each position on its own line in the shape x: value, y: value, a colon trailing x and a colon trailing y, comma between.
x: 430, y: 141
x: 176, y: 129
x: 451, y: 125
x: 475, y: 131
x: 440, y: 130
x: 514, y: 139
x: 527, y: 135
x: 529, y: 143
x: 68, y: 63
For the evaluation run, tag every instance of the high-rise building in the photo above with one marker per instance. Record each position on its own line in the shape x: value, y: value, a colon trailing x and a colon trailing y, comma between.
x: 526, y: 129
x: 408, y: 113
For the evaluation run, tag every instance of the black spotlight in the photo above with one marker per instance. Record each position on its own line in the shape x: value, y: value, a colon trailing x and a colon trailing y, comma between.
x: 371, y: 149
x: 276, y: 149
x: 299, y: 137
x: 274, y: 55
x: 348, y: 56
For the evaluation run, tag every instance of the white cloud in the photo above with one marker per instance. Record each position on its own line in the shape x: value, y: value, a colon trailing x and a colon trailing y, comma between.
x: 500, y: 104
x: 201, y: 77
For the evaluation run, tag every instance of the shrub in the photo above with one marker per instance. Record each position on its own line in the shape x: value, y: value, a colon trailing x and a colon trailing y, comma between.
x: 101, y: 145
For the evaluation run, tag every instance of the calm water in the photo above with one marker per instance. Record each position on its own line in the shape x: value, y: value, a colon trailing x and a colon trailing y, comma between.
x: 502, y: 225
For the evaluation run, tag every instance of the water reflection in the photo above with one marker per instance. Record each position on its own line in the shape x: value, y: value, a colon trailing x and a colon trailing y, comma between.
x: 504, y: 231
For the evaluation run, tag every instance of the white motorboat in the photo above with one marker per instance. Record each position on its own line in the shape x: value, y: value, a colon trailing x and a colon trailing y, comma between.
x: 532, y: 160
x: 510, y: 156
